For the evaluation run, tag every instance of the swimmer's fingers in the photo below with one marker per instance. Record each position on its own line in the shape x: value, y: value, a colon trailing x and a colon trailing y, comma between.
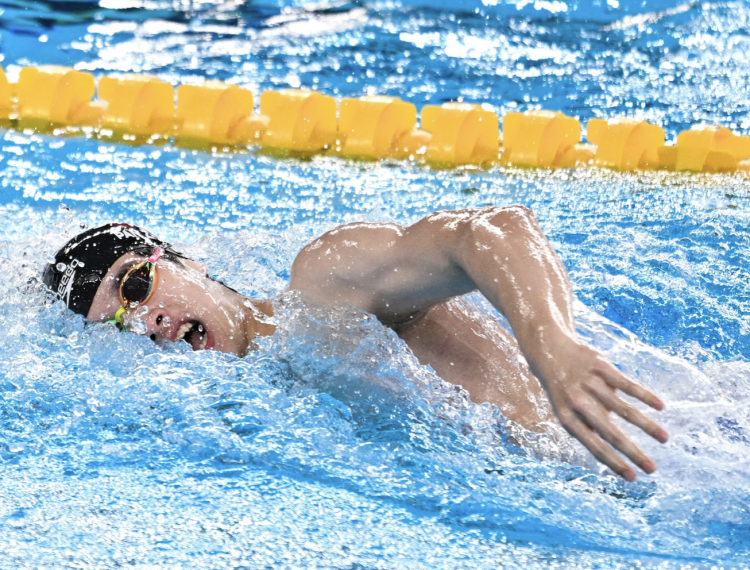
x: 603, y: 425
x: 619, y: 381
x: 584, y: 433
x: 627, y: 411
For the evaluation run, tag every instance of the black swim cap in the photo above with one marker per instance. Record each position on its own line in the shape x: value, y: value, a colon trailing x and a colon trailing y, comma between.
x: 82, y: 263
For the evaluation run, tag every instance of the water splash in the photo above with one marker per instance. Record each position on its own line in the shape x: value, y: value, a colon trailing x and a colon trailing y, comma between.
x: 329, y: 446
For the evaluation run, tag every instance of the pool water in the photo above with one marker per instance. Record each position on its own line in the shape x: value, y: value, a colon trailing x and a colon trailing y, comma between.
x: 330, y: 447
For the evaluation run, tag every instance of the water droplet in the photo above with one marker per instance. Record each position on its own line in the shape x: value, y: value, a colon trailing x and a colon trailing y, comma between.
x: 247, y: 303
x: 63, y: 208
x: 200, y: 328
x: 51, y: 260
x: 83, y: 225
x: 80, y: 264
x: 167, y: 321
x: 138, y: 326
x: 141, y: 312
x: 161, y: 305
x: 61, y: 267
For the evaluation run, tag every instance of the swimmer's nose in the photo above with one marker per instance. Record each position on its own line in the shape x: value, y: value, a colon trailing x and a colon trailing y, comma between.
x: 158, y: 325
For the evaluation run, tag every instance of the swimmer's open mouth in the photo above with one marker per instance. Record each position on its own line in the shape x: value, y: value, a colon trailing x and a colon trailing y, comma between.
x: 193, y: 333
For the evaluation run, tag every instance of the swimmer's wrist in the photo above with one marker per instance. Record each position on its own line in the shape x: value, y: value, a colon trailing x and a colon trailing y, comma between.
x: 544, y: 359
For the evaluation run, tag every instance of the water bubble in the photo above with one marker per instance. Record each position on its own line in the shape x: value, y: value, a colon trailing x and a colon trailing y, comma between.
x: 167, y: 321
x: 61, y: 267
x: 138, y: 326
x: 80, y: 264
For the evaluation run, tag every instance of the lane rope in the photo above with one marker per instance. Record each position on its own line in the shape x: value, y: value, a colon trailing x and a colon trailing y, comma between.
x: 141, y: 109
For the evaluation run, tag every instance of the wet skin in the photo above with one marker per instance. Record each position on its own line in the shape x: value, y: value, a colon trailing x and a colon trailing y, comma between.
x: 409, y: 278
x: 184, y: 294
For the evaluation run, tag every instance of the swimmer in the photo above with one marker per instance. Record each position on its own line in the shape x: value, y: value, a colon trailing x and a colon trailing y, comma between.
x: 410, y: 279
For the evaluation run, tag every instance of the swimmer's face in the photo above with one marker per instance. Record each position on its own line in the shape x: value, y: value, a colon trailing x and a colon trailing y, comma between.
x: 185, y: 305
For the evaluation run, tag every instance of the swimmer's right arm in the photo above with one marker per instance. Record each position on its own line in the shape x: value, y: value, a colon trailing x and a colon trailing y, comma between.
x: 396, y: 272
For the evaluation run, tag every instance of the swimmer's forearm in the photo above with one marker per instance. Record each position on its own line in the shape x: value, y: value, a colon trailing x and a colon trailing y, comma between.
x: 507, y: 257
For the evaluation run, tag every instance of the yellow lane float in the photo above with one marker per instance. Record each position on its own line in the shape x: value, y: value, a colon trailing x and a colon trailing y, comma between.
x: 217, y: 113
x: 369, y: 128
x: 298, y: 120
x: 372, y: 127
x: 6, y: 96
x: 137, y: 105
x: 625, y: 144
x: 706, y: 148
x: 542, y: 139
x: 56, y: 95
x: 461, y: 134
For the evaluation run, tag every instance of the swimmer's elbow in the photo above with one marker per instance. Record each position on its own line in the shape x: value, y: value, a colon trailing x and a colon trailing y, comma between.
x: 487, y: 225
x: 510, y: 216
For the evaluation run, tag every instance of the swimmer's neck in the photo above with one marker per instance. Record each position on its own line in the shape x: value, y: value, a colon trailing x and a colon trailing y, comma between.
x: 257, y: 313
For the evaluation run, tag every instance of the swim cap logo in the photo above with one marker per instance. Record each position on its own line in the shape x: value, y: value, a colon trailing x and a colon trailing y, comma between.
x: 66, y: 283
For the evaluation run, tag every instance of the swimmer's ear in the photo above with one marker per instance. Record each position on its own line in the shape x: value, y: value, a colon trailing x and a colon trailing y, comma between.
x: 196, y: 266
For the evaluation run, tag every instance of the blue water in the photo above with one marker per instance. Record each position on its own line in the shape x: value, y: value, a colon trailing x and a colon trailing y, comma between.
x: 330, y: 447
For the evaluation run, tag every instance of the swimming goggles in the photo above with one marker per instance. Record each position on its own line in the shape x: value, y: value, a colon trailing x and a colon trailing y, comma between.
x: 137, y: 287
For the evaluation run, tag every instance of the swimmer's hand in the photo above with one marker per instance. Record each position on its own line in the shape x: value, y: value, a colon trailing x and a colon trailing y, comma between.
x: 582, y: 386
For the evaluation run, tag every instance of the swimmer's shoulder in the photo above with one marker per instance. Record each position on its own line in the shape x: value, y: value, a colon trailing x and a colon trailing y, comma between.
x: 363, y: 236
x: 342, y: 264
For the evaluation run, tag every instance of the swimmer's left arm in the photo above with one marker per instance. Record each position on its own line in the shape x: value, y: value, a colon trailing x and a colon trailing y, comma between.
x: 395, y: 272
